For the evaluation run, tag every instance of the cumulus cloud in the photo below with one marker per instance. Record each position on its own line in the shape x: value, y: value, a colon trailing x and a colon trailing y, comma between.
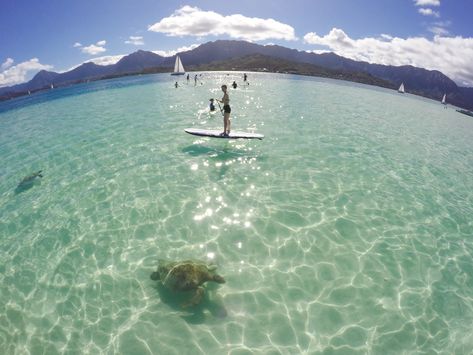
x: 173, y: 52
x: 104, y: 60
x: 428, y: 12
x: 427, y: 2
x: 107, y: 60
x: 135, y: 40
x: 7, y: 64
x: 450, y: 55
x: 18, y: 73
x: 192, y: 21
x: 93, y: 49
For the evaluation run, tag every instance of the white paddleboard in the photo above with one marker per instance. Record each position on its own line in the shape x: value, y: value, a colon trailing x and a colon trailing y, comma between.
x: 216, y: 133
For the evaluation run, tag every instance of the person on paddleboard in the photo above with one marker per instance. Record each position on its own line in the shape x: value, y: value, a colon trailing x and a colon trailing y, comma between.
x: 226, y: 111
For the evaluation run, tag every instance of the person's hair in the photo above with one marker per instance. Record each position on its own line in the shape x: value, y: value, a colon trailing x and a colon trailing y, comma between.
x: 224, y: 86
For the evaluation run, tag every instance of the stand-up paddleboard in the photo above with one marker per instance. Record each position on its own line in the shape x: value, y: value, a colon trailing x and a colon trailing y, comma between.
x: 216, y: 133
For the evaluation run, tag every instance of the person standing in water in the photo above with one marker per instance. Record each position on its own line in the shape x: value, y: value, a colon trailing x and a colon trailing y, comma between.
x: 211, y: 105
x: 245, y: 79
x: 226, y: 111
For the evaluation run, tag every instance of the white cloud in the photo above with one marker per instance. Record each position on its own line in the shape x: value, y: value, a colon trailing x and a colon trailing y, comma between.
x: 385, y: 36
x: 428, y: 12
x: 319, y: 51
x: 443, y: 23
x: 7, y: 64
x: 173, y: 52
x: 18, y: 73
x: 450, y: 55
x: 104, y: 60
x: 427, y: 2
x: 107, y: 60
x: 113, y: 59
x: 336, y: 36
x: 93, y: 49
x: 135, y: 40
x: 438, y: 30
x: 192, y: 21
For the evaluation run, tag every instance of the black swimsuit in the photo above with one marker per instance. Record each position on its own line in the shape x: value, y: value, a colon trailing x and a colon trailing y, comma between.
x: 227, y: 109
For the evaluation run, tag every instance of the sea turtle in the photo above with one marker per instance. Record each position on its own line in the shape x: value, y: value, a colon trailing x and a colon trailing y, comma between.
x: 187, y: 275
x: 28, y: 181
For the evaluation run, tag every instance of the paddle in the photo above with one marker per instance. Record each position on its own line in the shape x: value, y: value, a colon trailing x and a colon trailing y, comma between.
x: 220, y: 108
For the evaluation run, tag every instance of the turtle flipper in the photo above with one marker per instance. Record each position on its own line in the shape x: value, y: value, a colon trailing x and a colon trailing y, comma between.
x: 196, y: 299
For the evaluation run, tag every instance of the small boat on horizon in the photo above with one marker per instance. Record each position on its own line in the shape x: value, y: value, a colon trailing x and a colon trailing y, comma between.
x: 444, y: 100
x: 178, y: 67
x: 401, y: 89
x: 52, y: 86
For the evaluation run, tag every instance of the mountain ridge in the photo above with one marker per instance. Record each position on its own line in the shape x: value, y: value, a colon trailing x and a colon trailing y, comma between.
x: 420, y: 81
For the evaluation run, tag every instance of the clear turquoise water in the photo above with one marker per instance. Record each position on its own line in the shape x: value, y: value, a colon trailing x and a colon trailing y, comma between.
x: 347, y: 230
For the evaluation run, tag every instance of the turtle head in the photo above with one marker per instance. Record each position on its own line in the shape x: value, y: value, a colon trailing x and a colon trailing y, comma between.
x: 219, y: 279
x: 163, y: 269
x: 155, y: 276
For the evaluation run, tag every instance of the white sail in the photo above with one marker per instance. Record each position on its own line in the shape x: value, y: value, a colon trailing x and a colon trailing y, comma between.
x: 178, y: 67
x: 401, y: 88
x: 444, y: 99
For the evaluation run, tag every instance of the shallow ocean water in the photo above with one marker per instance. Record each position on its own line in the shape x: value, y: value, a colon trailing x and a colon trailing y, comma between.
x: 347, y: 230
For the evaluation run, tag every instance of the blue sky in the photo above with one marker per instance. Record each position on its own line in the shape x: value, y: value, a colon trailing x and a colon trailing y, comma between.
x: 58, y: 34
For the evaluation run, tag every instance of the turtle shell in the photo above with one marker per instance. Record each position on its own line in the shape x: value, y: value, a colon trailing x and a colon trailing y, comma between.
x: 185, y: 275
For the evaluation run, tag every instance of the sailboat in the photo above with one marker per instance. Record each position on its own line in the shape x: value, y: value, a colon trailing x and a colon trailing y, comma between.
x: 178, y: 67
x: 401, y: 89
x: 52, y: 86
x: 444, y: 99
